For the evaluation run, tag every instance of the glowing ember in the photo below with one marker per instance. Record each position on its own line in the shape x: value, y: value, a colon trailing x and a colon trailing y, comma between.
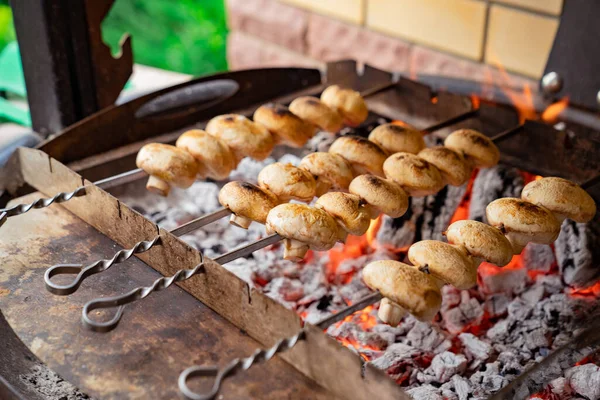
x: 593, y: 290
x: 475, y: 101
x: 462, y: 212
x: 552, y: 113
x: 434, y: 100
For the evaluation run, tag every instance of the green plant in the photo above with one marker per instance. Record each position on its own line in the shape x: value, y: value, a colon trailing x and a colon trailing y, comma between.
x: 187, y: 35
x: 7, y: 30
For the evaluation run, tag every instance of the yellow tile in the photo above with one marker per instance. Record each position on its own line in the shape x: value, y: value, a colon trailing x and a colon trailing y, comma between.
x: 346, y: 10
x: 456, y: 26
x: 520, y: 41
x: 553, y: 7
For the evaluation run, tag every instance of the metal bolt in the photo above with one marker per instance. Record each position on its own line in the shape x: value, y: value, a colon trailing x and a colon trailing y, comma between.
x: 551, y: 82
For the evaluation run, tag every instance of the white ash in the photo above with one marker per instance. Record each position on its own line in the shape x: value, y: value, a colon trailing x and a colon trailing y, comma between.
x: 577, y: 252
x: 538, y: 257
x: 491, y: 184
x: 585, y: 380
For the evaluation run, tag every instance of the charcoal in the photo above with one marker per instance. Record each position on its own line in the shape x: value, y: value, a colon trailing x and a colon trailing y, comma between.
x: 424, y: 336
x: 500, y: 330
x: 496, y: 305
x: 321, y: 141
x: 533, y: 295
x: 538, y: 257
x: 313, y: 314
x: 491, y: 184
x: 242, y: 270
x: 474, y: 347
x: 450, y: 297
x: 462, y: 387
x: 510, y: 363
x: 577, y: 252
x: 468, y: 313
x: 445, y: 365
x: 551, y: 283
x: 489, y: 380
x: 519, y: 309
x: 506, y: 280
x: 425, y: 392
x: 285, y: 290
x: 585, y: 380
x: 560, y: 387
x: 447, y: 391
x: 396, y: 354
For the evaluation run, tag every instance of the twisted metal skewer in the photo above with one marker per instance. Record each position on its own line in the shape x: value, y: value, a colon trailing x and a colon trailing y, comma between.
x: 94, y: 268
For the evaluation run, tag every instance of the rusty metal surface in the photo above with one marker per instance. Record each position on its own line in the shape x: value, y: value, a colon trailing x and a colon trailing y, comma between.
x: 157, y: 340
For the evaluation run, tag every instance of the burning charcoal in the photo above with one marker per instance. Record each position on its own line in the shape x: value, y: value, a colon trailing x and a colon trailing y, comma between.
x: 474, y: 347
x: 284, y: 290
x: 496, y: 305
x: 355, y: 290
x: 248, y: 169
x: 538, y: 257
x: 502, y: 280
x: 424, y: 336
x: 551, y: 283
x: 397, y: 354
x: 534, y: 334
x: 533, y: 295
x: 448, y: 391
x: 445, y: 365
x: 312, y: 314
x: 560, y: 387
x: 491, y: 184
x: 450, y: 297
x: 510, y: 362
x: 461, y: 386
x: 585, y: 380
x: 501, y: 330
x: 313, y: 296
x: 519, y: 309
x: 489, y: 380
x: 242, y: 270
x: 468, y: 313
x: 576, y: 252
x: 321, y: 142
x: 425, y: 392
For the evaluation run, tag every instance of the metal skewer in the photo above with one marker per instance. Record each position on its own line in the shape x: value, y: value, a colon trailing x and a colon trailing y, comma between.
x: 242, y: 364
x: 162, y: 283
x: 119, y: 257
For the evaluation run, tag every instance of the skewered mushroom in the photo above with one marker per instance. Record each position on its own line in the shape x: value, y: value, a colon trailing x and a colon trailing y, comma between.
x: 449, y: 263
x: 244, y: 137
x: 482, y: 241
x: 365, y: 156
x: 406, y: 286
x: 453, y: 167
x: 167, y: 166
x: 415, y: 175
x: 347, y: 102
x: 303, y: 227
x: 286, y: 127
x: 381, y: 195
x: 215, y: 159
x: 247, y: 203
x: 522, y: 222
x: 317, y: 113
x: 563, y: 198
x: 474, y: 146
x: 390, y: 313
x: 331, y: 171
x: 287, y: 182
x: 347, y: 211
x: 394, y: 138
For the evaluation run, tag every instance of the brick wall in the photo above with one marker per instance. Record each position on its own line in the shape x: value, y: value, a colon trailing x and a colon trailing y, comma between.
x: 457, y: 38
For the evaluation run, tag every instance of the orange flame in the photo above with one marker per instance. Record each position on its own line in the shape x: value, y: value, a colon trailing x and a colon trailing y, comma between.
x: 521, y: 100
x: 552, y: 113
x: 593, y: 290
x: 475, y: 101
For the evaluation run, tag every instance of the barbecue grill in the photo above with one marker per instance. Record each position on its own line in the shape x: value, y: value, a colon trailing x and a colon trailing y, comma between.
x: 224, y: 317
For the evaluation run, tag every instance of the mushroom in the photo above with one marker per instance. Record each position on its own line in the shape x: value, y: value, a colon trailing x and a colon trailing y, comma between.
x: 313, y: 110
x: 287, y: 182
x: 347, y: 102
x: 482, y: 241
x: 303, y: 227
x: 416, y: 176
x: 390, y: 313
x: 381, y: 195
x: 406, y: 286
x: 247, y: 203
x: 474, y: 146
x: 215, y: 159
x: 454, y: 168
x: 330, y: 171
x: 244, y: 137
x: 563, y: 198
x: 167, y: 166
x: 449, y: 263
x: 365, y: 156
x: 394, y: 138
x: 347, y: 211
x: 522, y: 222
x: 286, y: 127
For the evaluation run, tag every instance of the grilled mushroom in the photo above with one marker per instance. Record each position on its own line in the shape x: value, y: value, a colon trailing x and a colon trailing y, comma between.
x: 563, y: 198
x: 449, y: 263
x: 416, y: 176
x: 317, y: 113
x: 390, y: 313
x: 522, y: 222
x: 215, y: 159
x: 406, y: 286
x: 286, y: 127
x: 347, y: 211
x: 381, y: 195
x: 244, y: 137
x: 365, y: 156
x: 330, y: 171
x: 287, y: 182
x: 474, y: 146
x: 167, y: 166
x: 247, y: 203
x: 347, y: 102
x: 453, y: 167
x: 303, y: 227
x: 482, y: 241
x: 394, y: 138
